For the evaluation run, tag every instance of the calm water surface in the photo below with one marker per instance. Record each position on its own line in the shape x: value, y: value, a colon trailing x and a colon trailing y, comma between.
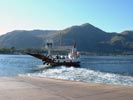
x: 98, y: 69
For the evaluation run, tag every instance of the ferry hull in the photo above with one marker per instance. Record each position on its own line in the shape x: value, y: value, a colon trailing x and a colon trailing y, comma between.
x: 47, y: 60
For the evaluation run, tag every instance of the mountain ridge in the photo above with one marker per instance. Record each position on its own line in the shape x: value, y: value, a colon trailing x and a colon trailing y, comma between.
x: 88, y: 38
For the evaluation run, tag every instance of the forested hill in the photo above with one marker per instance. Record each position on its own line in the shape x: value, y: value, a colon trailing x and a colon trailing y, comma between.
x: 88, y: 38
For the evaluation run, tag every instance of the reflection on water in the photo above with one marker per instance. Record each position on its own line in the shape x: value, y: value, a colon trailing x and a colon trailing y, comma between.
x: 98, y: 69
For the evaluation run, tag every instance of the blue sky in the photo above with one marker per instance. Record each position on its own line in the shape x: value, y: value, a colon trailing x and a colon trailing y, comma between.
x: 108, y: 15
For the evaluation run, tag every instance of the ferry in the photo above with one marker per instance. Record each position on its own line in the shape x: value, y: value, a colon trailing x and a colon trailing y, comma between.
x: 72, y: 59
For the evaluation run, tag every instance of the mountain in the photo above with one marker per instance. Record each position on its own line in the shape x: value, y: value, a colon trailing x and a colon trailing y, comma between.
x: 23, y: 39
x: 41, y: 33
x: 88, y: 38
x: 123, y: 42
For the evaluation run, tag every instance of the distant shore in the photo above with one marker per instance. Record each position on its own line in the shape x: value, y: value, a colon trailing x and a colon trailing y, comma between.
x: 35, y: 88
x: 81, y: 53
x: 13, y: 50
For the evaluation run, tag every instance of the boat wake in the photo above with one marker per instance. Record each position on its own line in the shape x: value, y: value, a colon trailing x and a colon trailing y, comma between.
x: 41, y: 67
x: 85, y: 75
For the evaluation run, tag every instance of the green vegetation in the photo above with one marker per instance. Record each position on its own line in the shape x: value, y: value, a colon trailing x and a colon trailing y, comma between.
x: 5, y: 51
x: 117, y: 40
x: 88, y: 39
x: 13, y: 50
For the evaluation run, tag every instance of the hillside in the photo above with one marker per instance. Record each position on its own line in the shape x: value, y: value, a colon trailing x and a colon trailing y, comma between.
x: 88, y: 38
x: 122, y: 42
x: 23, y: 39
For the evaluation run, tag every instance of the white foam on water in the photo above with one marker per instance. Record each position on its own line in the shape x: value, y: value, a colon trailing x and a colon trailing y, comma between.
x: 85, y: 75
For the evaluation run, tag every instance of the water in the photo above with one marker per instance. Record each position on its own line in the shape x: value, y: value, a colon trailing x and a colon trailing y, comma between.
x: 13, y: 65
x: 98, y: 69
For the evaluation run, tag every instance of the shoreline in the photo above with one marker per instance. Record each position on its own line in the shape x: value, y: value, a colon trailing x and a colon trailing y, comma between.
x: 81, y: 53
x: 37, y: 88
x: 66, y: 80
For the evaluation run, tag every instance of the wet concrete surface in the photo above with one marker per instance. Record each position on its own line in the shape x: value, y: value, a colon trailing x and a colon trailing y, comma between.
x: 35, y: 88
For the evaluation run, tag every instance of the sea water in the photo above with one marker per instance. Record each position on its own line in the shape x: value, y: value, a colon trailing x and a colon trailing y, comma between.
x: 98, y: 69
x: 13, y: 65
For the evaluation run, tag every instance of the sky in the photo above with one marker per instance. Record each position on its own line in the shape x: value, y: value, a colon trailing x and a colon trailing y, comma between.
x: 108, y: 15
